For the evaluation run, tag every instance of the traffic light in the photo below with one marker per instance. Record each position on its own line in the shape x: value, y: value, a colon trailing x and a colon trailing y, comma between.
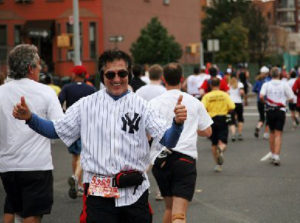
x: 65, y: 40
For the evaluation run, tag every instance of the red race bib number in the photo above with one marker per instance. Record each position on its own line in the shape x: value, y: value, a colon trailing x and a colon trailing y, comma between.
x: 102, y: 187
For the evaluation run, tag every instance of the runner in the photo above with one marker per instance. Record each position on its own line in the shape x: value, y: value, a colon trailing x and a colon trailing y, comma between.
x: 112, y: 124
x: 218, y: 104
x: 275, y: 93
x: 25, y: 156
x: 176, y: 177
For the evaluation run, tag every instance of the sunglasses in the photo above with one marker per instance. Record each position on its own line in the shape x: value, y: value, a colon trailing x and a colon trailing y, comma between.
x: 121, y: 73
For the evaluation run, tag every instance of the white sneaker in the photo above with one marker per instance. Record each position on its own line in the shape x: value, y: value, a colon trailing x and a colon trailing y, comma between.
x: 158, y: 196
x: 268, y: 156
x: 266, y: 135
x: 276, y: 162
x: 218, y: 168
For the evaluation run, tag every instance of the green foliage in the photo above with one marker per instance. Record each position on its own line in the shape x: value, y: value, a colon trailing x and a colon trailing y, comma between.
x: 154, y: 45
x: 234, y: 42
x: 252, y: 19
x: 258, y: 34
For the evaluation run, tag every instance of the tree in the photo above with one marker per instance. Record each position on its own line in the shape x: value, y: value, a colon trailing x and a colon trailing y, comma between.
x: 225, y: 11
x: 258, y: 35
x: 233, y: 42
x: 154, y: 45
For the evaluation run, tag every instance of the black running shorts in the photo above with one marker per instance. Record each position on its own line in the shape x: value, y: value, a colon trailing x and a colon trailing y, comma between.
x: 100, y: 209
x: 292, y: 106
x: 28, y: 193
x: 276, y: 119
x: 219, y: 130
x: 178, y: 177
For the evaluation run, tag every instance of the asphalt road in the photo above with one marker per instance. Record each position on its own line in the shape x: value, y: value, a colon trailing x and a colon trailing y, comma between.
x: 247, y: 191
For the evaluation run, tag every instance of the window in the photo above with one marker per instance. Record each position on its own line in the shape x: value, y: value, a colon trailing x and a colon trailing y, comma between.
x: 92, y: 40
x: 3, y: 42
x: 292, y: 45
x: 70, y: 53
x: 17, y: 34
x: 23, y: 1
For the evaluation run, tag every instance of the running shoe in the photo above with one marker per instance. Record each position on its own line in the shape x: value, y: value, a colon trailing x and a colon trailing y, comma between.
x: 158, y: 196
x: 256, y: 132
x: 72, y: 181
x: 266, y: 135
x: 220, y: 158
x: 80, y: 192
x: 297, y: 121
x: 218, y: 168
x: 233, y: 138
x: 276, y: 162
x: 240, y: 137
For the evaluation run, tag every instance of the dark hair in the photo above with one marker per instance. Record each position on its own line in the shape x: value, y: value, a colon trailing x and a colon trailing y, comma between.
x: 110, y: 56
x: 196, y: 70
x: 172, y: 74
x: 45, y: 78
x: 137, y: 70
x: 213, y: 71
x: 155, y: 72
x: 20, y: 58
x: 293, y: 74
x: 215, y: 82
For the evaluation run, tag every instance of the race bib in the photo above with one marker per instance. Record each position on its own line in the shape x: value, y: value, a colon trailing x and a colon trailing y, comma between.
x: 103, y: 187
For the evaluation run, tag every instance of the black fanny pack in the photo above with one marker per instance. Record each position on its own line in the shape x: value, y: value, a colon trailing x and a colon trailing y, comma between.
x: 162, y: 158
x: 129, y: 179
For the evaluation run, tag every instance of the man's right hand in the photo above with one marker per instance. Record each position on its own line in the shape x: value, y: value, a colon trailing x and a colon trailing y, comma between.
x: 21, y: 110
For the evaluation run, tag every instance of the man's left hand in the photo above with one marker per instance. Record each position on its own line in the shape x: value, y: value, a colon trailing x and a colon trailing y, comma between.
x: 180, y: 111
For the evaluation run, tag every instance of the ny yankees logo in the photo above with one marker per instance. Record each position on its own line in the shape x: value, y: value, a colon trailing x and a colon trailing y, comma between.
x: 132, y: 123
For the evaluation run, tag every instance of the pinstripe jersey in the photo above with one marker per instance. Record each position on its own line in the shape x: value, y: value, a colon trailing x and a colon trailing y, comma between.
x: 113, y: 136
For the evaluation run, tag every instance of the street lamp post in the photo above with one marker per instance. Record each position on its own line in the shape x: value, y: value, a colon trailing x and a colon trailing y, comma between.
x: 76, y: 33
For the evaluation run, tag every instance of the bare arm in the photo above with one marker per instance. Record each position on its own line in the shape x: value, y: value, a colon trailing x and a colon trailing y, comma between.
x: 205, y: 133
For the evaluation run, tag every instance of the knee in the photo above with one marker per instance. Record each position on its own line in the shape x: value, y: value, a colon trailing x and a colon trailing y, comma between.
x: 180, y: 217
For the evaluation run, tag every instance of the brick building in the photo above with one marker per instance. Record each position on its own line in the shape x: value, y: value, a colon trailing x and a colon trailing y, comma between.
x: 41, y: 21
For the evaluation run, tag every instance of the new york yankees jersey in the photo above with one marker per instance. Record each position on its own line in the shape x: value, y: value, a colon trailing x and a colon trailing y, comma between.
x: 113, y: 136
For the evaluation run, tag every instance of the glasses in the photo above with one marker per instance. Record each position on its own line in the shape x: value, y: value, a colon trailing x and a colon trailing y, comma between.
x: 111, y: 74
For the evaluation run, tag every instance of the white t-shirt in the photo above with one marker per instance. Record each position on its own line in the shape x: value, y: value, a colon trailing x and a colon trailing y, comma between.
x: 22, y: 149
x: 150, y: 91
x: 291, y: 84
x: 145, y: 79
x: 277, y: 92
x: 194, y: 82
x: 197, y: 118
x: 234, y: 93
x: 113, y: 137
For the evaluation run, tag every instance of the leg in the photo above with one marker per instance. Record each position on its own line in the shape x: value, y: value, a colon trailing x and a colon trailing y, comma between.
x: 78, y: 171
x: 272, y: 141
x: 75, y: 160
x: 34, y: 219
x: 167, y: 218
x: 277, y: 141
x: 8, y: 218
x: 214, y: 152
x: 179, y: 210
x: 233, y: 132
x: 222, y: 145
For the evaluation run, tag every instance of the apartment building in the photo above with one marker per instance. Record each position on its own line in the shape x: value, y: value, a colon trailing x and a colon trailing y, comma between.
x: 104, y: 24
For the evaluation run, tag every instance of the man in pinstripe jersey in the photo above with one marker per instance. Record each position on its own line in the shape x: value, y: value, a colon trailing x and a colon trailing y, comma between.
x: 113, y: 125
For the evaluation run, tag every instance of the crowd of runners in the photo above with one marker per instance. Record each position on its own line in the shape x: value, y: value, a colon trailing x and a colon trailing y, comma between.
x: 143, y: 119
